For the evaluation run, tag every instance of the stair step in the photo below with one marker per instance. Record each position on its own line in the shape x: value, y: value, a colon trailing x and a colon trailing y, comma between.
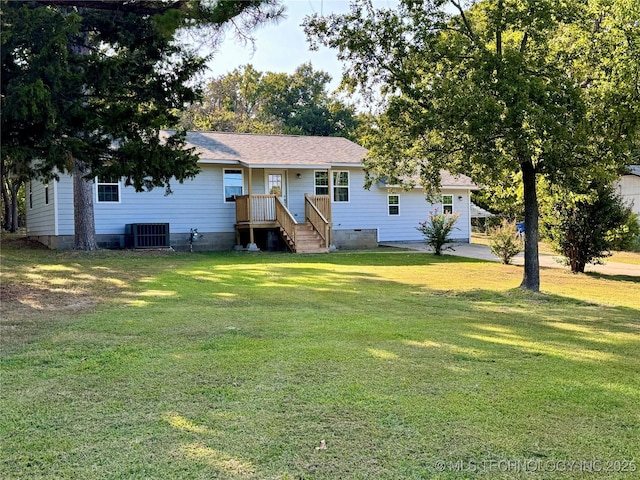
x: 313, y: 250
x: 307, y: 240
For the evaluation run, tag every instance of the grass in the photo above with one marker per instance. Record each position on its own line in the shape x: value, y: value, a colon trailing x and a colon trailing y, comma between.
x: 226, y: 365
x: 631, y: 258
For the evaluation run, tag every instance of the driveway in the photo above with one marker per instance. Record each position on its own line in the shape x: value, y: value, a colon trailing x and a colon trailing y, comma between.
x: 482, y: 252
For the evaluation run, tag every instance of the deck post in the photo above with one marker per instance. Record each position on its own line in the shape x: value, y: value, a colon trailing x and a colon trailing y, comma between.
x: 252, y: 243
x: 330, y: 244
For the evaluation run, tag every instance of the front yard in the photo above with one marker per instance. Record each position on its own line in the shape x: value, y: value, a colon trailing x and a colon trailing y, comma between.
x: 364, y: 365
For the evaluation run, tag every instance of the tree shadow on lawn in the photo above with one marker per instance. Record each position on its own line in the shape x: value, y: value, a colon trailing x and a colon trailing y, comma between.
x: 231, y: 279
x: 382, y: 258
x: 508, y: 374
x: 488, y: 370
x: 617, y: 278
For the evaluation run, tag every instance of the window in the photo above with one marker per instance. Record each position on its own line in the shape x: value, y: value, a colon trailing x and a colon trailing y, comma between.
x: 30, y: 195
x: 393, y: 204
x: 232, y: 185
x: 46, y: 194
x: 341, y: 186
x: 322, y: 182
x: 447, y: 203
x: 274, y: 183
x: 108, y: 190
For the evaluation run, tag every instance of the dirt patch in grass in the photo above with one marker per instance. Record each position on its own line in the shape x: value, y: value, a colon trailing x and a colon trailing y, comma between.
x: 21, y: 243
x: 43, y: 299
x: 41, y: 287
x: 27, y: 310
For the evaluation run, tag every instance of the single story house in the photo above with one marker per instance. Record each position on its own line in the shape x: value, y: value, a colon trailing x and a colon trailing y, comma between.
x: 256, y: 192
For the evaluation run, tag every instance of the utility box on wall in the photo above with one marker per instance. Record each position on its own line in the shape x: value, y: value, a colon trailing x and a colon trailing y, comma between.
x: 146, y: 235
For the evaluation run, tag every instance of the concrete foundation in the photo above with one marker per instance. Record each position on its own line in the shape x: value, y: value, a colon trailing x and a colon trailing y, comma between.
x: 355, y: 239
x: 209, y: 241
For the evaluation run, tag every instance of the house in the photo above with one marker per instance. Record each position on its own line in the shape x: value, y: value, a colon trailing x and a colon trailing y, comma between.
x: 255, y: 192
x: 629, y: 188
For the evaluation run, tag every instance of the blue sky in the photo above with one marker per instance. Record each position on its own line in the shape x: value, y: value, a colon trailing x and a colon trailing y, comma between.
x: 282, y: 47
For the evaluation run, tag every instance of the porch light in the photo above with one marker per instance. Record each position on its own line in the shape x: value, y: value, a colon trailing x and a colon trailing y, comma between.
x: 299, y: 175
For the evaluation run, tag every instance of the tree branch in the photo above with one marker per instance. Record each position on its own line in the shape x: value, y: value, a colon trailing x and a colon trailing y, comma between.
x: 142, y: 7
x: 464, y: 19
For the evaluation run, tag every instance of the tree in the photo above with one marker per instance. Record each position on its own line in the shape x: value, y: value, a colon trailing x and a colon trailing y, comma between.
x: 301, y: 103
x: 581, y: 227
x: 246, y: 100
x: 230, y: 103
x: 505, y: 197
x: 88, y: 85
x: 12, y: 182
x: 491, y: 91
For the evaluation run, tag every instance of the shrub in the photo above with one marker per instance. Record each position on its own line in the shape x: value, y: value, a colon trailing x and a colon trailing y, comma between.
x: 627, y: 236
x: 437, y: 228
x: 505, y: 242
x: 580, y: 225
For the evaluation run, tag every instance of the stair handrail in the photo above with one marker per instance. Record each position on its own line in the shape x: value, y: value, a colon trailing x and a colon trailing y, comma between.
x: 317, y: 220
x: 286, y: 221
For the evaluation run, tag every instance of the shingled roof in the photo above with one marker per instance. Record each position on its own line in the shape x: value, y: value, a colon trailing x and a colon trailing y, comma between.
x: 447, y: 180
x: 254, y: 150
x: 282, y: 151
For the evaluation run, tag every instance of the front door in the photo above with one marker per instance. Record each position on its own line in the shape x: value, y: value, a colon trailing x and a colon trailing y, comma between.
x: 276, y: 183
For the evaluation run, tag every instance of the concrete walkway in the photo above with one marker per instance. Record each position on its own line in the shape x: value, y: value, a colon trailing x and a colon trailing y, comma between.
x: 482, y: 252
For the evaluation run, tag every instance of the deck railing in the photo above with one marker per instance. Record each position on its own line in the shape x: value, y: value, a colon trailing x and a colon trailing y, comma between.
x: 242, y: 208
x: 322, y: 202
x: 252, y: 210
x: 263, y: 208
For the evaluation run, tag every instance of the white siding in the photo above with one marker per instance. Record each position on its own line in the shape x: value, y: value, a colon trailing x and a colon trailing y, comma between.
x: 297, y: 189
x: 629, y: 188
x: 369, y: 209
x: 64, y: 205
x: 197, y: 203
x: 40, y: 216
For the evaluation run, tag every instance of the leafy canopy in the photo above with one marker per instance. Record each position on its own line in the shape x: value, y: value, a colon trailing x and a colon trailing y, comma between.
x: 98, y: 80
x: 581, y: 227
x: 250, y: 101
x: 494, y: 88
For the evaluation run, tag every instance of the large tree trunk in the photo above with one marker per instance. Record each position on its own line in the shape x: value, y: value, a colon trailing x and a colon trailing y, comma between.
x: 531, y: 278
x: 15, y: 220
x: 6, y: 203
x: 83, y: 220
x: 10, y: 191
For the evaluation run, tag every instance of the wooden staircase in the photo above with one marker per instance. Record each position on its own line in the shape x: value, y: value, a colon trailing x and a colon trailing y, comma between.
x: 307, y: 240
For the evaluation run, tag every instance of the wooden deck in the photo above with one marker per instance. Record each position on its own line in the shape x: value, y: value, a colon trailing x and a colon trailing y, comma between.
x: 268, y: 211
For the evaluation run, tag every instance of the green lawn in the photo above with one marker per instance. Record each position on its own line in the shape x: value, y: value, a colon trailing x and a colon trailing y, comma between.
x: 137, y: 365
x: 631, y: 258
